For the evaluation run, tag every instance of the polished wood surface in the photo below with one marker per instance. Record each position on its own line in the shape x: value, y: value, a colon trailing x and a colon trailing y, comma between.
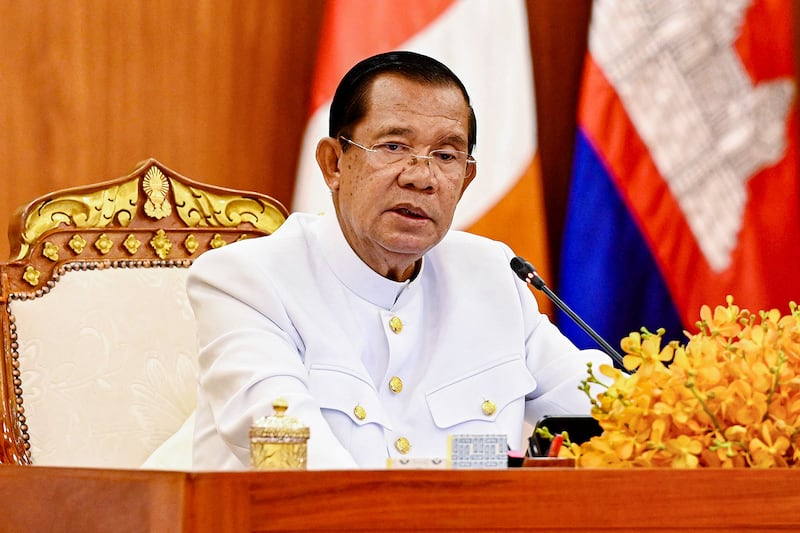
x: 216, y: 89
x: 525, y: 499
x: 56, y: 500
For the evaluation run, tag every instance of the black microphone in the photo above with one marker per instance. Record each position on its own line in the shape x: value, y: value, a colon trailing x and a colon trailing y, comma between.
x: 528, y: 274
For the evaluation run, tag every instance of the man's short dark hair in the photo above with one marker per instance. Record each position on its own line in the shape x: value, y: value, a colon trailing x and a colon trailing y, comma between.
x: 349, y: 103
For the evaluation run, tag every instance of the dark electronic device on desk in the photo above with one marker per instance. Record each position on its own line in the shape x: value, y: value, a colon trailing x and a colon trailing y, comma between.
x: 579, y: 428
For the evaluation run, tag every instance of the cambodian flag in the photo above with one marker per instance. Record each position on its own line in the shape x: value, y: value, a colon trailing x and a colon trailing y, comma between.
x: 685, y: 180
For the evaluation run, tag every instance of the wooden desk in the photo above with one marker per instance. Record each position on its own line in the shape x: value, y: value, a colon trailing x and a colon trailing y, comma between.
x: 40, y: 499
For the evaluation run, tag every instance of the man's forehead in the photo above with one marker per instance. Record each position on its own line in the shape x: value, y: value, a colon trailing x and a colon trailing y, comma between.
x: 385, y: 86
x: 408, y: 99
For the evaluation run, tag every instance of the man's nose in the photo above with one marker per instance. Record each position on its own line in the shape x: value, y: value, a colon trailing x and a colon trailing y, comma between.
x: 419, y: 172
x: 425, y: 158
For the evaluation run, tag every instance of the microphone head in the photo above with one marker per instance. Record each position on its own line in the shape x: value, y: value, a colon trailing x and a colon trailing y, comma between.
x: 526, y: 272
x: 522, y: 268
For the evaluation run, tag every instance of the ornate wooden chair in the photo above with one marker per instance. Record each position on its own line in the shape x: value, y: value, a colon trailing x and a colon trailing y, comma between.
x: 99, y: 348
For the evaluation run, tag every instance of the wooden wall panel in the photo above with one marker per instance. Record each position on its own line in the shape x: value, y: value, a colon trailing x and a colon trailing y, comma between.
x: 558, y: 34
x: 216, y: 90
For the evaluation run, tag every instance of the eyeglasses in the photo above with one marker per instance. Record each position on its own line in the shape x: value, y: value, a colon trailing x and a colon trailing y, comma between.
x: 451, y: 163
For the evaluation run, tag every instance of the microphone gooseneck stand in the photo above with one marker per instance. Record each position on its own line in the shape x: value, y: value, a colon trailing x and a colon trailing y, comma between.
x: 528, y: 274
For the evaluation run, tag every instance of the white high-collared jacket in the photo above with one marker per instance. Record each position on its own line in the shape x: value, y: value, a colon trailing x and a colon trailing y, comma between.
x: 298, y: 315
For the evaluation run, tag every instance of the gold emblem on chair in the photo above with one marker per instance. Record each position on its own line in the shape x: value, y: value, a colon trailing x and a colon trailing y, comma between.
x: 103, y: 244
x: 77, y: 243
x: 191, y: 244
x: 132, y: 244
x: 161, y: 244
x: 201, y: 208
x: 31, y: 275
x: 50, y: 251
x: 217, y: 241
x: 91, y: 209
x: 156, y: 187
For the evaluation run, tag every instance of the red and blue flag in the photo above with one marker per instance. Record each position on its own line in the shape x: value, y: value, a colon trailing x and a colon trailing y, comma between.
x: 685, y: 178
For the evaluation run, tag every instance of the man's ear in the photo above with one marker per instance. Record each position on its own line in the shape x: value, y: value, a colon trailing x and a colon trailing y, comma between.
x: 472, y: 171
x: 329, y: 152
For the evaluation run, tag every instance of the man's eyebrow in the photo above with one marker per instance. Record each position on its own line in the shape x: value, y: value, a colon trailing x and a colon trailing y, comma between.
x: 454, y: 139
x: 395, y: 130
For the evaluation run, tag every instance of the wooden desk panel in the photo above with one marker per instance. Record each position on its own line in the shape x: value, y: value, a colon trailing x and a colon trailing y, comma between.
x: 518, y: 499
x: 57, y: 500
x: 54, y: 500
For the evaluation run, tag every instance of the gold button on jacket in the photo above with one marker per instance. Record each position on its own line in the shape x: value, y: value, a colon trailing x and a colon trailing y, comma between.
x: 395, y: 324
x: 395, y: 384
x: 360, y: 412
x: 403, y: 445
x: 488, y: 407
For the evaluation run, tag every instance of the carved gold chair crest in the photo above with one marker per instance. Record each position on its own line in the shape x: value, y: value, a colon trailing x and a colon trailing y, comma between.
x: 99, y: 346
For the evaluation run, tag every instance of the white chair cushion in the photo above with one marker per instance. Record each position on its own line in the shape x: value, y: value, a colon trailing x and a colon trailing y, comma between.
x: 108, y: 364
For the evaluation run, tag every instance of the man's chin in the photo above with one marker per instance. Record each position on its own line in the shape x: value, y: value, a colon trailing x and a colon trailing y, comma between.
x: 413, y: 248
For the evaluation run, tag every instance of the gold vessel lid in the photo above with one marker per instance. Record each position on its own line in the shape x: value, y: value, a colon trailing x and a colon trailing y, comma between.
x: 279, y: 427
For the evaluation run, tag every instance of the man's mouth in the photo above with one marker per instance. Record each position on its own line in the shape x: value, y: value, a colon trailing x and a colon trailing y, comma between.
x: 410, y: 212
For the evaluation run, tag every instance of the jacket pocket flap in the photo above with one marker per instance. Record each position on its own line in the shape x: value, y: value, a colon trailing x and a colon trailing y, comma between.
x: 482, y: 393
x: 343, y: 390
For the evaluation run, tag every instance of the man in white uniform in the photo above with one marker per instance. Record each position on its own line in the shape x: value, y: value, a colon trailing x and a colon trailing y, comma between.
x: 384, y: 330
